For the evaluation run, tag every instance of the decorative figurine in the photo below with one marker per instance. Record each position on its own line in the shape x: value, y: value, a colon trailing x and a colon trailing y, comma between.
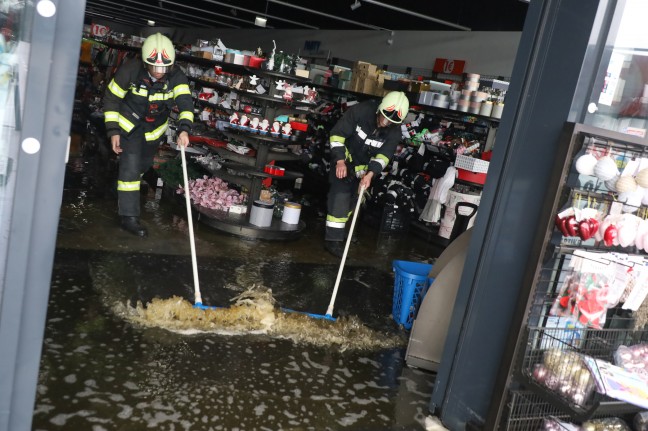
x: 234, y: 121
x: 276, y: 129
x: 286, y: 130
x: 270, y: 64
x: 288, y: 94
x: 254, y: 125
x: 244, y: 122
x: 264, y: 126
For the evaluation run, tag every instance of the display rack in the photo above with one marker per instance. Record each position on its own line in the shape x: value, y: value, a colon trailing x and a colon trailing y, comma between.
x: 553, y: 323
x: 248, y: 170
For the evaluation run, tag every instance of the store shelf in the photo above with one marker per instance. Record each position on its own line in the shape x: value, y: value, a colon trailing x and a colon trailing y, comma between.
x: 600, y: 406
x: 255, y: 137
x: 452, y: 114
x: 239, y: 225
x: 283, y: 104
x: 255, y: 172
x: 234, y: 157
x: 241, y: 180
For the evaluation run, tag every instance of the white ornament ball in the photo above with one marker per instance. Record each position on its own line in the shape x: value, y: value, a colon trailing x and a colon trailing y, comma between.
x: 626, y: 184
x: 642, y: 178
x: 606, y: 168
x: 585, y: 164
x: 611, y: 184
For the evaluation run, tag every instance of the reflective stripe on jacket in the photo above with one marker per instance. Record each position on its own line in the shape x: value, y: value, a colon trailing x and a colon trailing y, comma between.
x: 133, y: 99
x: 357, y: 139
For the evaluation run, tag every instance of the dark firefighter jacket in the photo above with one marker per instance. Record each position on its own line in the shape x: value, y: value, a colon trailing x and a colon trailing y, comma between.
x: 133, y: 100
x: 357, y: 139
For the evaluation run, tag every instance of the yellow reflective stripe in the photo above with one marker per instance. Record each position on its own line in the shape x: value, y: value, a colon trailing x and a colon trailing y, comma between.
x: 361, y: 168
x: 116, y: 89
x: 347, y: 155
x: 160, y: 96
x: 384, y: 161
x: 128, y: 186
x: 181, y: 89
x: 111, y: 116
x: 331, y: 219
x: 157, y: 133
x: 125, y: 124
x: 186, y: 115
x: 337, y: 141
x: 140, y: 91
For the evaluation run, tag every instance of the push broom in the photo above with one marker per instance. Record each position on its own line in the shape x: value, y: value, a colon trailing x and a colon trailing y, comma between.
x: 197, y: 296
x: 329, y: 311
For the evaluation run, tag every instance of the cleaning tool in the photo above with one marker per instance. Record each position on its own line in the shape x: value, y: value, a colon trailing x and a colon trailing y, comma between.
x: 197, y: 297
x: 329, y: 311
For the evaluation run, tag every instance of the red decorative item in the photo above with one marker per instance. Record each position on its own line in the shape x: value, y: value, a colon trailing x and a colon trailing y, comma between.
x: 610, y: 235
x: 572, y: 226
x: 594, y: 225
x: 584, y: 230
x: 560, y: 224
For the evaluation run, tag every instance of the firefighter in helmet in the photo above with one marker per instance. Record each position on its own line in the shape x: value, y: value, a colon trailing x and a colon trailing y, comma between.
x: 362, y: 144
x: 137, y: 105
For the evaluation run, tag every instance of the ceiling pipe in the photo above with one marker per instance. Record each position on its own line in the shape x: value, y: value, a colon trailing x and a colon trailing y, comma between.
x: 231, y: 6
x: 416, y: 14
x: 110, y: 18
x: 206, y: 11
x: 305, y: 9
x: 160, y: 17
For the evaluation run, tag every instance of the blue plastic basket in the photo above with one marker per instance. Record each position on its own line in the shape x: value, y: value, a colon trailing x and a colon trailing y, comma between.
x: 411, y: 283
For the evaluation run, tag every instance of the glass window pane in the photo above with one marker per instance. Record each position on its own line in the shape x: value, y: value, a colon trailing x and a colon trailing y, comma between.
x: 14, y: 52
x: 619, y: 99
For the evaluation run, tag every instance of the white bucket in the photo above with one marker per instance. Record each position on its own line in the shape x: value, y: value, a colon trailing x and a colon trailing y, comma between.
x: 261, y: 214
x: 291, y: 213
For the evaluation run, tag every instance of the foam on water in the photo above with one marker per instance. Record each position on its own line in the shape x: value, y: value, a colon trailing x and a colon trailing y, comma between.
x: 254, y: 311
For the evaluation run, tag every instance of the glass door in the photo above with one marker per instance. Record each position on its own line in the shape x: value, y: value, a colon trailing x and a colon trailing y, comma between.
x: 619, y: 97
x: 39, y: 53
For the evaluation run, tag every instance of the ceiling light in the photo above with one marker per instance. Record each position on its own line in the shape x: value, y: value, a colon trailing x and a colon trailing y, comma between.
x: 150, y: 22
x: 260, y: 22
x: 355, y: 5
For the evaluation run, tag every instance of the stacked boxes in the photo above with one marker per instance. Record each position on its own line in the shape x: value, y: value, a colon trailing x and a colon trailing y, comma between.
x: 364, y: 77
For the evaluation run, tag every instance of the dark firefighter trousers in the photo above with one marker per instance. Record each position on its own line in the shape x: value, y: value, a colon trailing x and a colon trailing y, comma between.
x: 341, y: 201
x: 134, y: 160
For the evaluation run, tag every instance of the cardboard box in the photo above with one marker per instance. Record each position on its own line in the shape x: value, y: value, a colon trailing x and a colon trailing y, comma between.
x: 203, y: 54
x: 419, y: 86
x: 362, y: 66
x: 302, y: 73
x: 367, y: 86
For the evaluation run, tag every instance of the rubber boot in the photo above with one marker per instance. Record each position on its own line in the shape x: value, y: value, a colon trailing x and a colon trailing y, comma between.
x: 132, y: 224
x: 336, y: 248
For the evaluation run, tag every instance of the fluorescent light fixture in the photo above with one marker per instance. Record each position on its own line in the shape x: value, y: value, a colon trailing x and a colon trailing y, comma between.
x: 150, y: 22
x: 355, y: 5
x: 260, y: 22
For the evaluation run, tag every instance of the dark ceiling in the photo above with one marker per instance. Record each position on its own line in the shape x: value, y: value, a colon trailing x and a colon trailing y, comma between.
x: 456, y: 15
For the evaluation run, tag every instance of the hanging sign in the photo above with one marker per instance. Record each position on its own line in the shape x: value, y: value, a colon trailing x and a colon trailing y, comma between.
x: 99, y: 30
x: 451, y: 67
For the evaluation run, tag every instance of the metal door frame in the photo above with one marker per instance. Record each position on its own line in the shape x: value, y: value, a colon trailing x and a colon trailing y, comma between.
x: 50, y: 81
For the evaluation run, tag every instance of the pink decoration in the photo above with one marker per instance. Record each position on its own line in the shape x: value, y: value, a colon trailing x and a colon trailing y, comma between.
x: 212, y: 193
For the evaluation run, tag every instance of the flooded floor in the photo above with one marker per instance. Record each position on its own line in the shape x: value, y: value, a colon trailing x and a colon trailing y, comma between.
x: 124, y: 349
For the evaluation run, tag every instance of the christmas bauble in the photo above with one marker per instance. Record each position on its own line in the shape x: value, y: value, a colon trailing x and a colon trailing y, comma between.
x: 585, y: 164
x: 606, y: 168
x: 626, y: 184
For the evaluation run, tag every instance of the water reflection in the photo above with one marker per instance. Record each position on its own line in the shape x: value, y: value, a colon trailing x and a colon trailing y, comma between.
x: 107, y: 365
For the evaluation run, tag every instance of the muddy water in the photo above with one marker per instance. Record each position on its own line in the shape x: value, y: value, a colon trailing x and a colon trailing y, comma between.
x: 125, y: 350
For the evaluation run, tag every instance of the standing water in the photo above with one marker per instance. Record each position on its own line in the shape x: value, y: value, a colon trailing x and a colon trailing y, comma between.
x: 125, y: 350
